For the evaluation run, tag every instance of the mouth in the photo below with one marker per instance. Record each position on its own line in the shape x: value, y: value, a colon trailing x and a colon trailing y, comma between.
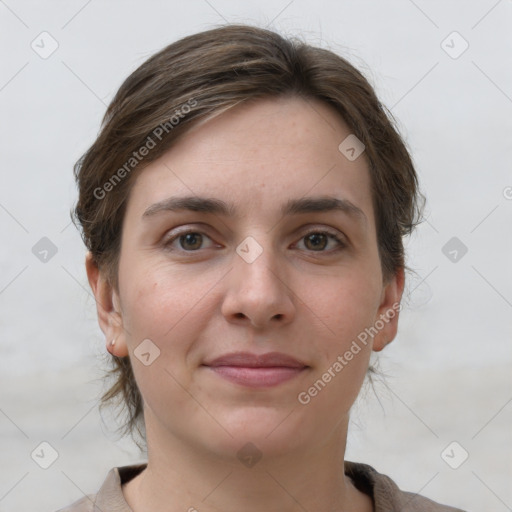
x: 252, y: 370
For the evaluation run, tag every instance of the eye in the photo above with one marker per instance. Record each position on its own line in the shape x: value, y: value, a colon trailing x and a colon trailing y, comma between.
x: 188, y: 241
x: 318, y: 240
x: 193, y: 240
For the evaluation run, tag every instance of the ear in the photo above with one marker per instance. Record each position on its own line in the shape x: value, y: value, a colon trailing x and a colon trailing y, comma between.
x: 108, y: 308
x: 386, y: 320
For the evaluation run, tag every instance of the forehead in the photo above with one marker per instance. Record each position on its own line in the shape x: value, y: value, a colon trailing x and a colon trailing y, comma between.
x: 257, y: 156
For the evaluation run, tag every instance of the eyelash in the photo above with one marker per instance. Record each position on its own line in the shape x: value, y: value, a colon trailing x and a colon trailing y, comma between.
x: 334, y: 236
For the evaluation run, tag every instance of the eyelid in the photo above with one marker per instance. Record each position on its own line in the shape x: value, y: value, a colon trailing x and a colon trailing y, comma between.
x: 321, y: 228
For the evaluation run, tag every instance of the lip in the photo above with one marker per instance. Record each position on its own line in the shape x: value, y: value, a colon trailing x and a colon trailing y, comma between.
x: 256, y: 370
x: 246, y: 359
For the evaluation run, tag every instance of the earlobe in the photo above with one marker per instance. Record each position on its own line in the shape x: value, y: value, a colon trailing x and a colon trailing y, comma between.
x: 386, y: 321
x: 117, y: 349
x: 109, y: 315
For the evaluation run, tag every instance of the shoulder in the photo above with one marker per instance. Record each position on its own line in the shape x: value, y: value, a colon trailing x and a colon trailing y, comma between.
x: 85, y: 504
x: 419, y: 503
x: 110, y: 495
x: 386, y: 495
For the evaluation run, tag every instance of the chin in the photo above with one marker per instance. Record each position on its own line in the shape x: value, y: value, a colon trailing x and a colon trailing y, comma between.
x: 271, y: 431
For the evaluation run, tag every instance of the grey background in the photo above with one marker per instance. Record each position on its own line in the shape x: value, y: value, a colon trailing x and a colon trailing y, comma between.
x: 448, y: 370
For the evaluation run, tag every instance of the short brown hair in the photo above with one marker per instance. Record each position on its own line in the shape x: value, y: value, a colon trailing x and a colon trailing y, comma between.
x: 202, y: 75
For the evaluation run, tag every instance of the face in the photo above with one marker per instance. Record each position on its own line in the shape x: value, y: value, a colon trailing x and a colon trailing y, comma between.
x: 265, y: 268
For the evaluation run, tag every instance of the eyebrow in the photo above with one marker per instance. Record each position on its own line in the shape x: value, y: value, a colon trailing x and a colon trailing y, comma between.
x: 291, y: 207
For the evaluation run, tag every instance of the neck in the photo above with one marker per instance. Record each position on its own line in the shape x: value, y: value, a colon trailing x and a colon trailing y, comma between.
x: 180, y: 477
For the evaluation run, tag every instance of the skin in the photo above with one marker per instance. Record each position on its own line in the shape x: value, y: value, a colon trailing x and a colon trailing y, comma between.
x: 201, y: 300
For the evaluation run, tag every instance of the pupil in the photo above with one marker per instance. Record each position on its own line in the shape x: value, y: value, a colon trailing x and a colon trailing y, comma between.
x: 190, y: 237
x: 316, y: 237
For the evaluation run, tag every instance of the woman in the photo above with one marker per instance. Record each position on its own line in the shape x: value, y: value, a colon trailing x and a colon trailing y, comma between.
x: 244, y: 207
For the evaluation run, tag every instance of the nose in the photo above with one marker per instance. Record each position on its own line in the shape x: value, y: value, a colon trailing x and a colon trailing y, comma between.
x: 257, y: 293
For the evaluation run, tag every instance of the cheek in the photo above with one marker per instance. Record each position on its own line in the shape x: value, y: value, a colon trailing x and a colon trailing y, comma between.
x: 345, y: 306
x: 157, y: 301
x: 160, y: 310
x: 170, y: 310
